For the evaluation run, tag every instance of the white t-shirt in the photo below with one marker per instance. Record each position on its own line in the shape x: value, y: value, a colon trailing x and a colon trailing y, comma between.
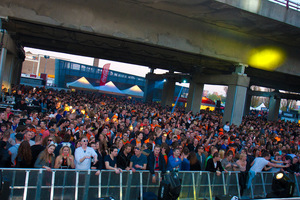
x: 80, y: 153
x: 226, y: 128
x: 259, y: 164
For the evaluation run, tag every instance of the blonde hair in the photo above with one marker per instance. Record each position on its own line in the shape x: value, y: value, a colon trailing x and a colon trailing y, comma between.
x: 222, y: 154
x: 60, y: 156
x: 243, y: 155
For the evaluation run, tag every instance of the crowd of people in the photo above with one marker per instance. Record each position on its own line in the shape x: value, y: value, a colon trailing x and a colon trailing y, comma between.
x: 83, y: 130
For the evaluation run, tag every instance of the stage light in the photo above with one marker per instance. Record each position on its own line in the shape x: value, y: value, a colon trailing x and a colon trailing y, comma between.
x: 279, y: 176
x: 165, y: 80
x: 282, y: 186
x: 266, y: 58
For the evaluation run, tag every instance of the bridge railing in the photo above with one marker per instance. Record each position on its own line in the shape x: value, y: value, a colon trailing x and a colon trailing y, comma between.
x: 288, y: 4
x: 39, y: 184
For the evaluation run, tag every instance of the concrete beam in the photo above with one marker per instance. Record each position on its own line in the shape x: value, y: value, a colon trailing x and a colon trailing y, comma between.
x: 185, y: 27
x: 233, y: 79
x: 177, y: 77
x: 276, y: 94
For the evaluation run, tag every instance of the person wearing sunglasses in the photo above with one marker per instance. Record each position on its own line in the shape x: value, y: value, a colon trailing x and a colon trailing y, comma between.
x: 84, y: 155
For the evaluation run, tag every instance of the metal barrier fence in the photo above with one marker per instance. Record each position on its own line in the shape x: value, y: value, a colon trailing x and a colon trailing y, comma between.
x: 71, y: 184
x: 288, y: 4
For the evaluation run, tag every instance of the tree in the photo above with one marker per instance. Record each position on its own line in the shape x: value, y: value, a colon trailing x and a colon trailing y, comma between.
x: 216, y: 97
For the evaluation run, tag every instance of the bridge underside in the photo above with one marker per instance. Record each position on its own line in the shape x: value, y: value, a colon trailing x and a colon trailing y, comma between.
x: 84, y: 43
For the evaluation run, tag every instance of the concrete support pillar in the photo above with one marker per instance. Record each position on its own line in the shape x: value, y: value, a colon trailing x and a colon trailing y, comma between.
x: 7, y: 71
x: 18, y: 72
x: 247, y: 103
x: 149, y: 89
x: 235, y: 103
x: 168, y: 93
x: 274, y: 106
x: 194, y: 97
x: 2, y: 65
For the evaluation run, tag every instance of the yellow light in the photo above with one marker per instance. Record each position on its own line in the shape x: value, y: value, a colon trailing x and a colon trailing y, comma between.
x: 131, y: 128
x: 73, y: 111
x: 141, y: 128
x: 107, y: 119
x: 82, y: 111
x: 70, y: 107
x: 67, y: 108
x: 266, y: 58
x: 279, y: 176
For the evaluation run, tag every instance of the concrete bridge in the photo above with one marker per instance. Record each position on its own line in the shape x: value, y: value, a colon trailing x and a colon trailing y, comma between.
x: 212, y: 40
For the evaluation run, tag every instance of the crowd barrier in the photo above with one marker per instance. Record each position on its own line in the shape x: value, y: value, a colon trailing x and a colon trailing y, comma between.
x: 288, y: 4
x: 40, y: 184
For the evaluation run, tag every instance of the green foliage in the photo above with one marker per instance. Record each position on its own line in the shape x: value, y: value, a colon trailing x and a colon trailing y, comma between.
x: 215, y: 97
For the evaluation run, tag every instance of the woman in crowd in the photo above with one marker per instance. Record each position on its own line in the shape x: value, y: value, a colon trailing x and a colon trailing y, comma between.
x: 46, y: 158
x: 101, y: 153
x: 24, y: 157
x: 195, y: 164
x: 65, y: 160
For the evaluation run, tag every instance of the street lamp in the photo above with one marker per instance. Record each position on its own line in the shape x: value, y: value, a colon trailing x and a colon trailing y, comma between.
x: 46, y: 57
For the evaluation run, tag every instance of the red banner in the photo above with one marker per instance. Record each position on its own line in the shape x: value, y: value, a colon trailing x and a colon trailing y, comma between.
x: 104, y: 74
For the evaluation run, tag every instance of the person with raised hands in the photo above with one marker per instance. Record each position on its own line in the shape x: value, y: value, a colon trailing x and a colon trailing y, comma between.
x: 65, y: 160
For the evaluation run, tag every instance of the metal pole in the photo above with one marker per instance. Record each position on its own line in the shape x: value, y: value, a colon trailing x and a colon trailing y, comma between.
x: 38, y: 65
x: 46, y: 57
x: 194, y: 186
x: 76, y: 185
x: 52, y: 185
x: 209, y: 186
x: 26, y: 185
x: 141, y: 185
x: 99, y: 184
x: 121, y: 186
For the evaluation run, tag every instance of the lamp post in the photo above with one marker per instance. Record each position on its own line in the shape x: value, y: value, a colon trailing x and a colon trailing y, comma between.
x: 46, y: 57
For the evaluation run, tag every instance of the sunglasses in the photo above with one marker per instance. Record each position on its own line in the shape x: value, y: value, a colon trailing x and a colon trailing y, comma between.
x: 50, y: 140
x: 84, y: 140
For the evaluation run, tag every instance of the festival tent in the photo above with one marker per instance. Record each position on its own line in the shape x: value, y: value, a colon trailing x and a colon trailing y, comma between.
x: 109, y: 88
x: 134, y: 91
x: 208, y: 102
x: 81, y: 84
x: 260, y: 107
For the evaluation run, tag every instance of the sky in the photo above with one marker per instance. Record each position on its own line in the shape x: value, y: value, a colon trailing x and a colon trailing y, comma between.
x: 118, y: 66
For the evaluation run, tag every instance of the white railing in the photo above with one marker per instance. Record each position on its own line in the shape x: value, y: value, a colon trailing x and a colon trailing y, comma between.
x: 289, y: 4
x: 39, y: 184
